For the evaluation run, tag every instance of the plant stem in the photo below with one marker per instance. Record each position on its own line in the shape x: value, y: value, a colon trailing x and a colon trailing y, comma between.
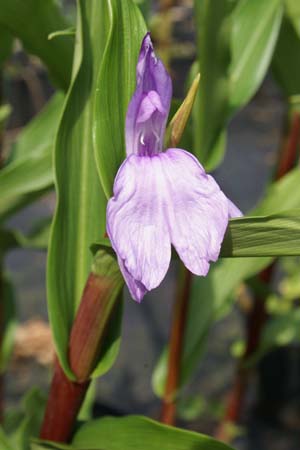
x: 258, y: 315
x: 64, y: 402
x: 100, y: 295
x: 168, y: 413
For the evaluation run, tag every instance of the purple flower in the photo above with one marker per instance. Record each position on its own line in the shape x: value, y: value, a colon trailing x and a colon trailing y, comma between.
x: 161, y: 197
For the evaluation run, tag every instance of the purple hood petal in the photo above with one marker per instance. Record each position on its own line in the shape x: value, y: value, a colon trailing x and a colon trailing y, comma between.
x: 149, y: 107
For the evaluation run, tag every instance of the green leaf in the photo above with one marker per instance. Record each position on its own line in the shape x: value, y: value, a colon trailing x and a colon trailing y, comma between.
x: 137, y: 432
x: 28, y: 172
x: 286, y: 65
x: 36, y: 136
x: 26, y: 176
x: 115, y: 86
x: 8, y: 311
x: 241, y: 36
x: 293, y: 11
x: 32, y: 21
x: 210, y: 111
x: 256, y: 25
x: 80, y: 214
x: 275, y: 235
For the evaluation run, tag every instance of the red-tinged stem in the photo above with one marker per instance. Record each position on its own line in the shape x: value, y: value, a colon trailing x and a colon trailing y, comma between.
x: 258, y: 315
x: 66, y: 397
x: 168, y: 413
x: 63, y: 405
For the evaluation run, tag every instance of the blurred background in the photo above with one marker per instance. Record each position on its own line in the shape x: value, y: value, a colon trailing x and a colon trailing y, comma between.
x: 270, y: 413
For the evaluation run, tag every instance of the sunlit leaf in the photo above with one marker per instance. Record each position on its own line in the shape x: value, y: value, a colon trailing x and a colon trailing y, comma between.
x: 80, y: 214
x: 256, y: 25
x: 115, y: 86
x: 28, y: 173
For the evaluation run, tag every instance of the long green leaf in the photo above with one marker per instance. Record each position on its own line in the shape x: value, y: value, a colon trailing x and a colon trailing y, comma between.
x: 28, y: 172
x: 32, y: 21
x: 256, y: 25
x: 210, y: 112
x: 241, y: 36
x: 81, y: 204
x: 115, y: 85
x: 137, y: 432
x: 275, y: 235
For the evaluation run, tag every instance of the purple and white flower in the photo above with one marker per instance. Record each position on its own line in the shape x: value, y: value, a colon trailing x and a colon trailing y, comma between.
x: 161, y: 198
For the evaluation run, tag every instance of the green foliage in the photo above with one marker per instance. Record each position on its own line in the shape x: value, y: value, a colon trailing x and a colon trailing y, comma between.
x: 28, y: 172
x: 275, y: 235
x: 286, y: 58
x: 235, y: 46
x: 32, y: 21
x: 115, y: 85
x: 136, y: 433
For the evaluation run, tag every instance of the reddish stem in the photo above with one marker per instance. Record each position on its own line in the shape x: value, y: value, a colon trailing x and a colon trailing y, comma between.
x: 65, y: 400
x: 86, y: 338
x: 168, y: 413
x: 258, y: 316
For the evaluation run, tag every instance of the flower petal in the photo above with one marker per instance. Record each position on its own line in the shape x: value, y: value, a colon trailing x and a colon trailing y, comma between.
x: 200, y: 212
x: 136, y: 224
x: 149, y: 107
x: 159, y: 200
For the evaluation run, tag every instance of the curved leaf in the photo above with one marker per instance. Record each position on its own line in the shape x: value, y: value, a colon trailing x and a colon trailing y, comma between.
x: 81, y: 204
x: 286, y: 65
x: 115, y: 86
x: 256, y: 25
x: 28, y: 172
x: 241, y: 36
